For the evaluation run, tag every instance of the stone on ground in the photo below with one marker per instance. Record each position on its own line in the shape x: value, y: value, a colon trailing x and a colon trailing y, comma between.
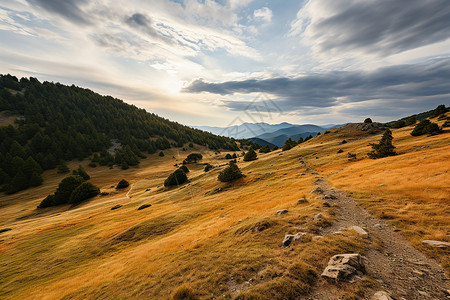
x: 437, y: 244
x: 343, y: 266
x: 282, y: 211
x: 381, y: 295
x: 360, y: 231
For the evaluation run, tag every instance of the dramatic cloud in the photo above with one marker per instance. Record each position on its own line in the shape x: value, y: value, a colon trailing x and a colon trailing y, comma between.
x: 69, y: 9
x: 382, y: 27
x: 395, y: 83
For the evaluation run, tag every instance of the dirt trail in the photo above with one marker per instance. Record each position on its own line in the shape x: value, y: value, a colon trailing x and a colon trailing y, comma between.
x: 402, y: 270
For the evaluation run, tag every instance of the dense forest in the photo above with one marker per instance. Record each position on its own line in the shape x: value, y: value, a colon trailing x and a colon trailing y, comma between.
x: 57, y: 123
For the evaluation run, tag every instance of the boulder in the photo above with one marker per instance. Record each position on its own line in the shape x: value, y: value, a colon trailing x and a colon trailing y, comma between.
x: 318, y: 217
x: 360, y: 231
x: 437, y: 244
x: 282, y: 212
x: 317, y: 190
x: 381, y: 295
x: 343, y: 266
x: 290, y: 238
x: 302, y: 201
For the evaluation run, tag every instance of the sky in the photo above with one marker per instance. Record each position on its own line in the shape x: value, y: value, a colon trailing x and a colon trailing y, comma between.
x: 225, y: 62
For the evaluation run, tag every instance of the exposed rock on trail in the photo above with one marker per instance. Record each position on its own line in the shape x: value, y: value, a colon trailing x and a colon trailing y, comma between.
x: 343, y: 266
x: 402, y: 270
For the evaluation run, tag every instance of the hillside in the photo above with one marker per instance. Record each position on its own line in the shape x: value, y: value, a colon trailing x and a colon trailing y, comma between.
x: 224, y: 240
x: 55, y: 123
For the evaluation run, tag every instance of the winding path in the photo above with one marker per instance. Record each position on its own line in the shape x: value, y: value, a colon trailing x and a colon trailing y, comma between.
x: 402, y: 270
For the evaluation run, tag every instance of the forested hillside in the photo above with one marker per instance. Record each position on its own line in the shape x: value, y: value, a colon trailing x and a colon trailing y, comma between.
x: 58, y: 123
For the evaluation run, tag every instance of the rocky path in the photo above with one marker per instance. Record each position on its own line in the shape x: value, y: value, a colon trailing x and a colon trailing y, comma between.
x: 402, y: 270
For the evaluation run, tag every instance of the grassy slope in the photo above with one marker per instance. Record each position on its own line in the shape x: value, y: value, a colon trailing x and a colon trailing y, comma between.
x: 207, y: 241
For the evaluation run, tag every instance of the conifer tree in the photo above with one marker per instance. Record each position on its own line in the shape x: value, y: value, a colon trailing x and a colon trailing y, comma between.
x: 384, y: 147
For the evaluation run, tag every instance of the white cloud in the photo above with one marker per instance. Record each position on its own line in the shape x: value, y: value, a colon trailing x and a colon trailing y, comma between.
x: 264, y: 14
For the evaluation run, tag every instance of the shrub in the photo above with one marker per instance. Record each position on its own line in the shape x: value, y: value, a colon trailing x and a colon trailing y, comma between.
x: 289, y: 144
x: 228, y: 156
x: 161, y: 154
x: 184, y: 293
x: 424, y: 127
x: 176, y: 178
x: 193, y: 158
x: 276, y: 147
x: 264, y: 149
x: 185, y: 169
x: 399, y: 124
x: 116, y: 207
x: 234, y: 155
x: 230, y: 173
x: 144, y: 206
x: 81, y: 172
x: 340, y: 151
x: 122, y: 184
x: 250, y: 155
x: 208, y: 167
x: 124, y: 165
x: 351, y: 156
x: 92, y: 165
x: 63, y: 168
x: 384, y: 147
x: 368, y: 121
x: 344, y: 142
x: 63, y: 192
x: 441, y: 109
x: 85, y: 191
x: 191, y: 145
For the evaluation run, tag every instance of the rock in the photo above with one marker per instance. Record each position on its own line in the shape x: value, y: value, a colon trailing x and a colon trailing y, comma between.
x: 290, y: 238
x: 437, y: 244
x: 326, y: 204
x: 317, y: 190
x: 329, y: 197
x: 302, y: 201
x: 381, y: 295
x: 425, y: 294
x: 343, y: 266
x: 318, y: 217
x: 282, y: 212
x: 317, y: 237
x: 360, y: 231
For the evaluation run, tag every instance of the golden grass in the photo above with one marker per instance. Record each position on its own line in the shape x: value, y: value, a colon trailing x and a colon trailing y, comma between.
x: 212, y: 242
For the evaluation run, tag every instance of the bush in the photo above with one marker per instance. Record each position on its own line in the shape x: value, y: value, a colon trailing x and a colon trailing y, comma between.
x: 234, y: 155
x: 185, y: 169
x: 368, y: 121
x: 340, y: 151
x: 144, y: 206
x: 85, y: 191
x: 289, y: 144
x: 228, y: 156
x: 193, y: 158
x: 92, y: 165
x: 191, y: 145
x: 276, y: 147
x: 351, y: 156
x: 184, y: 293
x: 116, y: 207
x: 441, y: 109
x: 250, y: 155
x: 63, y: 168
x: 81, y: 172
x: 230, y: 173
x: 399, y: 124
x: 384, y: 147
x: 122, y: 184
x: 265, y: 149
x: 176, y: 178
x: 161, y: 154
x: 426, y: 127
x: 63, y: 192
x: 208, y: 167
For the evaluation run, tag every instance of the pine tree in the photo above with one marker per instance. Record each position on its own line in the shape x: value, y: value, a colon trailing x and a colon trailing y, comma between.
x: 384, y: 147
x: 230, y: 173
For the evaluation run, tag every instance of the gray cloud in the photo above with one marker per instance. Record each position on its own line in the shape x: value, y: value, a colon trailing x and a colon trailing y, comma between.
x: 384, y: 27
x: 69, y: 9
x: 401, y: 83
x: 144, y: 24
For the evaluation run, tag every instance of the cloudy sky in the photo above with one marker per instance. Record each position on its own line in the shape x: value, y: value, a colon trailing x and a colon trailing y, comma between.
x: 221, y: 62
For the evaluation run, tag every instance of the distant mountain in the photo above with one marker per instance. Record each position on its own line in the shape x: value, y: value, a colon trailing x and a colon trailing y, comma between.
x: 261, y: 142
x: 292, y: 130
x: 245, y: 130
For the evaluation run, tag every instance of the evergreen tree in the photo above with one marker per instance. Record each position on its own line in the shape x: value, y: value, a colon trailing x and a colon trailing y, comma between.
x: 426, y: 127
x: 384, y: 147
x: 81, y: 172
x: 176, y: 178
x: 63, y: 168
x: 122, y: 184
x: 230, y: 173
x: 84, y: 191
x: 250, y: 155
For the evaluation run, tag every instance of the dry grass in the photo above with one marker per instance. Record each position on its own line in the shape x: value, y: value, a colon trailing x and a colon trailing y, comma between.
x: 223, y: 244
